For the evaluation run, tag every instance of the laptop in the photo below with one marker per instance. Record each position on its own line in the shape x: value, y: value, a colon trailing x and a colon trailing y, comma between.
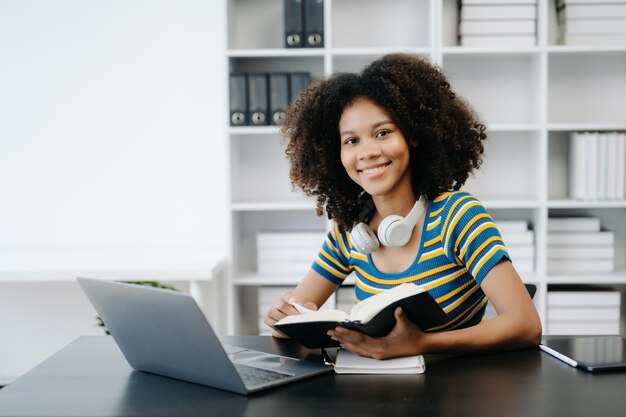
x: 164, y: 332
x: 591, y: 353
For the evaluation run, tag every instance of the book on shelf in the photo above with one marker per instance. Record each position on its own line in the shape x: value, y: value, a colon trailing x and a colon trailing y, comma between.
x: 561, y: 3
x: 350, y: 363
x: 593, y: 26
x: 583, y: 328
x: 575, y: 266
x: 573, y: 224
x: 581, y: 297
x: 593, y: 11
x: 597, y: 165
x: 497, y: 2
x: 498, y: 41
x: 290, y: 239
x: 581, y: 252
x: 580, y: 238
x: 583, y: 313
x: 373, y: 316
x: 592, y: 40
x: 498, y: 12
x: 492, y: 27
x: 518, y: 238
x: 512, y: 225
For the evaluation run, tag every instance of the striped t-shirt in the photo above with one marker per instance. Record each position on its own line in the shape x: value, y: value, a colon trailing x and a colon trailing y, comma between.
x: 460, y: 244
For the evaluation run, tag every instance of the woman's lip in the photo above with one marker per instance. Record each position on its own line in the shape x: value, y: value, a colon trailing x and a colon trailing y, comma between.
x: 374, y: 170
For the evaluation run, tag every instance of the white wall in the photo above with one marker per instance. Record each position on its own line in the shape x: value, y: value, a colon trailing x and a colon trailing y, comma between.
x: 111, y: 134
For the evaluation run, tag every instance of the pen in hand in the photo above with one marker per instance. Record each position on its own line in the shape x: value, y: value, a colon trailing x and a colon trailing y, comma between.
x: 301, y: 309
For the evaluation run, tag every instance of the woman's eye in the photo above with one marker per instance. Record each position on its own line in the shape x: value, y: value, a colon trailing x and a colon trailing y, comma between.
x: 382, y: 133
x: 350, y: 141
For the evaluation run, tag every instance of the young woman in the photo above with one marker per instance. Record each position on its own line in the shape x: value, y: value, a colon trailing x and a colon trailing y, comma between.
x: 395, y: 140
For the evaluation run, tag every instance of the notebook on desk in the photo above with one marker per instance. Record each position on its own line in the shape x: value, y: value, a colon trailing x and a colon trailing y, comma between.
x: 164, y: 332
x: 592, y: 353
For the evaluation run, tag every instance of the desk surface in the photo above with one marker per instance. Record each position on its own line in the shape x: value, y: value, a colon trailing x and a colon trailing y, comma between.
x: 91, y: 378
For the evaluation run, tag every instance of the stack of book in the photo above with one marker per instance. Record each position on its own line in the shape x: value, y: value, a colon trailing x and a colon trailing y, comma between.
x: 287, y: 253
x: 519, y: 241
x: 597, y: 164
x: 498, y: 23
x: 583, y: 312
x: 592, y: 22
x: 578, y: 245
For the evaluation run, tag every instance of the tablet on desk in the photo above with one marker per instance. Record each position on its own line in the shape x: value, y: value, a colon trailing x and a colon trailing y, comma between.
x: 593, y: 353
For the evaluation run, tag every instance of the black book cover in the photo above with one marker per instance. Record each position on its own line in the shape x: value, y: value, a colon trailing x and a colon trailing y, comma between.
x: 420, y: 308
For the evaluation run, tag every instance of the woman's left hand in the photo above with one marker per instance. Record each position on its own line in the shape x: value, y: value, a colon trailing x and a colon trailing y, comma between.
x: 404, y: 339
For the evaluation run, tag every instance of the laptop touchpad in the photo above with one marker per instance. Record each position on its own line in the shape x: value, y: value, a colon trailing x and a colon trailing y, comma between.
x: 260, y: 359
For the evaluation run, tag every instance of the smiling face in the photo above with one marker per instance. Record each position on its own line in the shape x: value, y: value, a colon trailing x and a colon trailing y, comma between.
x: 374, y: 151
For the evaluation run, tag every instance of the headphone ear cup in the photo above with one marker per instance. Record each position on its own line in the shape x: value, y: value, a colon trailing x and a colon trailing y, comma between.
x: 364, y: 239
x: 394, y: 232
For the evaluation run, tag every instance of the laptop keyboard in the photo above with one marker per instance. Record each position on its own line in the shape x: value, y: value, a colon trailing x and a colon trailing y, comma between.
x: 256, y: 376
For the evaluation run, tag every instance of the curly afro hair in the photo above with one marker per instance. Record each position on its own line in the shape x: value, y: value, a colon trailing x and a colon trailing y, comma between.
x: 446, y: 134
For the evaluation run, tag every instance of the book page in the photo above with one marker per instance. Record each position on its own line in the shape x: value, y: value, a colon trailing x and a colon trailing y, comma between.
x: 366, y: 309
x: 322, y: 315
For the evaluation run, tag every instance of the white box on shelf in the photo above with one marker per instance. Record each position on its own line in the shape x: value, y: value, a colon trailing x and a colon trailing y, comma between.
x: 498, y: 41
x: 583, y: 328
x: 512, y: 225
x: 526, y: 266
x: 498, y: 2
x: 592, y: 40
x: 577, y: 266
x: 593, y: 11
x: 594, y: 26
x: 580, y: 238
x: 584, y: 299
x: 573, y: 224
x: 270, y: 254
x: 583, y: 313
x: 290, y: 239
x: 578, y: 166
x: 581, y: 252
x: 561, y: 3
x: 487, y: 12
x: 518, y: 238
x: 492, y: 27
x: 521, y: 251
x: 284, y: 268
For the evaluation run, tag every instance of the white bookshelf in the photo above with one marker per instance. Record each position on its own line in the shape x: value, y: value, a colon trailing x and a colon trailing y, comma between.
x: 530, y: 98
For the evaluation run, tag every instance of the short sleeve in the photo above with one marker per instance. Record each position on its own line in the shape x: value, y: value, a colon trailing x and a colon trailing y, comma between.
x: 333, y: 260
x: 470, y: 237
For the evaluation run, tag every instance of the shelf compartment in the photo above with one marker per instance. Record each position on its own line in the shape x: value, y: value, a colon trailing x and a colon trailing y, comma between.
x: 255, y: 24
x: 509, y: 158
x: 391, y: 23
x: 248, y: 224
x: 502, y: 89
x: 586, y: 89
x: 311, y: 64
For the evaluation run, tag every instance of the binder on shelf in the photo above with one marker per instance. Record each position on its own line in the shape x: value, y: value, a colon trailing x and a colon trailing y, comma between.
x: 238, y: 100
x: 298, y: 82
x: 294, y: 23
x: 314, y: 23
x: 279, y: 96
x: 258, y: 100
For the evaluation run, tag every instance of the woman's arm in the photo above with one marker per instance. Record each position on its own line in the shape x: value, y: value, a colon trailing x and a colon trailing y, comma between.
x: 312, y: 292
x: 516, y: 326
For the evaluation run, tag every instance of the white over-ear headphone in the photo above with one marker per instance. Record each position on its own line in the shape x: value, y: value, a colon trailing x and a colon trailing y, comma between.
x: 394, y: 231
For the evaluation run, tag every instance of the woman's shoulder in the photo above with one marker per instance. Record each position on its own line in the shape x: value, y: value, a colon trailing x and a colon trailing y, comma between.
x: 451, y: 199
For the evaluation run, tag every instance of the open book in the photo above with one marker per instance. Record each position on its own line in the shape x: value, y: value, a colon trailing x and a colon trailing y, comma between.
x: 350, y: 363
x: 373, y: 316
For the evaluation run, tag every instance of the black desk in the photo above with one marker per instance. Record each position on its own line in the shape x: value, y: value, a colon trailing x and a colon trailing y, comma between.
x: 91, y: 378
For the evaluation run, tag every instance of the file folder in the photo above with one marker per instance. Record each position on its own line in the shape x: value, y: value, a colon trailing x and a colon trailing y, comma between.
x: 294, y: 23
x: 258, y: 99
x: 238, y: 92
x: 298, y: 82
x: 279, y: 96
x: 314, y: 23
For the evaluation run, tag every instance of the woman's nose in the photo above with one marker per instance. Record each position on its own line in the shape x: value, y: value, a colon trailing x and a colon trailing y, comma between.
x: 369, y: 150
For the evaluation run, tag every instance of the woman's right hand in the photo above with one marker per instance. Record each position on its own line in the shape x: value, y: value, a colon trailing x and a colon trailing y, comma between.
x: 283, y: 307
